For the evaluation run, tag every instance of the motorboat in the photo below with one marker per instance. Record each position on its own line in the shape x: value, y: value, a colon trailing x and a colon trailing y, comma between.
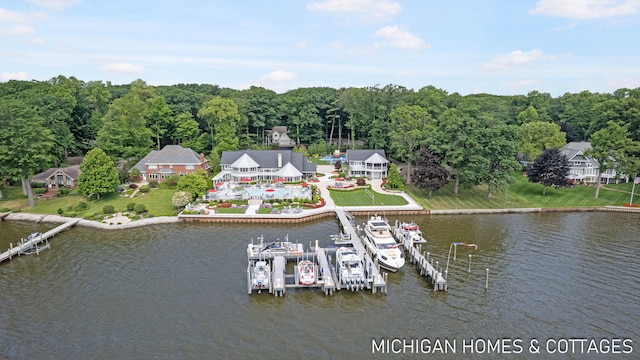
x: 306, y: 272
x: 408, y: 231
x: 350, y: 269
x: 274, y: 248
x: 261, y: 276
x: 383, y: 246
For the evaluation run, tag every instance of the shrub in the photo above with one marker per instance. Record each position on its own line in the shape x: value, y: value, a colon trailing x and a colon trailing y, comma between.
x: 145, y: 188
x: 108, y: 209
x: 133, y: 186
x: 139, y: 208
x: 361, y: 182
x: 82, y: 206
x: 131, y: 206
x: 153, y: 184
x: 60, y: 211
x: 63, y: 192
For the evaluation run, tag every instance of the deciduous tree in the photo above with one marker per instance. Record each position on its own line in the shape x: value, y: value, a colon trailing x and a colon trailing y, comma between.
x: 550, y: 168
x: 98, y: 174
x: 429, y: 173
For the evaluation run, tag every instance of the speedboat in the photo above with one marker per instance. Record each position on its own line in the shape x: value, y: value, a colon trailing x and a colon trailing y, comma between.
x: 274, y: 248
x: 261, y: 276
x: 306, y: 272
x: 383, y: 246
x: 409, y: 231
x: 350, y: 269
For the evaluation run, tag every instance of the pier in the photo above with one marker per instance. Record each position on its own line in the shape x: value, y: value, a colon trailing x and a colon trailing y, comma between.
x: 413, y: 247
x: 325, y: 265
x: 33, y: 243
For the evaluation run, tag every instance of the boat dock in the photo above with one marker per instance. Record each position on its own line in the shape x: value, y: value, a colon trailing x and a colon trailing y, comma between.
x: 324, y: 260
x: 421, y: 260
x: 34, y: 243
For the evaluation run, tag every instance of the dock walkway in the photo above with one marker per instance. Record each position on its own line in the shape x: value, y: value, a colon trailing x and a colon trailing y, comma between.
x: 19, y: 249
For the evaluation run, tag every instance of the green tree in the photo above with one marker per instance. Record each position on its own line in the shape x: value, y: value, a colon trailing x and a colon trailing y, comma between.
x: 551, y: 168
x: 527, y: 116
x: 180, y: 199
x: 158, y: 116
x: 611, y: 148
x: 98, y: 174
x: 494, y: 160
x: 222, y: 115
x: 394, y: 179
x: 186, y: 131
x: 536, y: 136
x: 25, y: 143
x: 410, y: 126
x: 195, y: 184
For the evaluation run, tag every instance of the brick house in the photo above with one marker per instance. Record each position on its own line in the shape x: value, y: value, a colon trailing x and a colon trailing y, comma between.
x: 171, y: 160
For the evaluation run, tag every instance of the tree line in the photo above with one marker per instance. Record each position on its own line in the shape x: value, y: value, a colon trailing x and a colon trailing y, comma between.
x: 476, y: 136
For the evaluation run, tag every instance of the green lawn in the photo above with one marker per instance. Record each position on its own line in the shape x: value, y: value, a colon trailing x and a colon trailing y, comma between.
x: 521, y: 194
x: 157, y: 202
x: 360, y: 198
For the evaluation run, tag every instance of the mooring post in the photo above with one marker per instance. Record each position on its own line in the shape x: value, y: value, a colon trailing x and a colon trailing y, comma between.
x: 486, y: 280
x: 469, y: 270
x: 10, y: 248
x: 428, y: 253
x: 455, y: 251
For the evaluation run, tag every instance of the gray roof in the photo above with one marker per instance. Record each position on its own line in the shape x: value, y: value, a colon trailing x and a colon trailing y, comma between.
x: 170, y: 154
x: 72, y: 171
x: 363, y: 155
x: 574, y: 151
x: 269, y: 159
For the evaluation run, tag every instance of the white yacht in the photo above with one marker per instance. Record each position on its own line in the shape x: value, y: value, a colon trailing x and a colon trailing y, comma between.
x: 350, y: 269
x: 382, y: 244
x: 274, y: 248
x: 306, y: 272
x: 408, y: 231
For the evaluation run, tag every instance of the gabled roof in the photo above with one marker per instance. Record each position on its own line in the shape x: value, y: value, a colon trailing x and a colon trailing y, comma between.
x: 245, y: 162
x: 170, y: 154
x: 288, y: 171
x: 269, y: 159
x: 72, y: 171
x: 573, y: 149
x: 364, y: 155
x: 376, y: 159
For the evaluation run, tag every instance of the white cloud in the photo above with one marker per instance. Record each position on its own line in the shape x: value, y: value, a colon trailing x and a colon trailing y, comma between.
x: 302, y: 44
x: 623, y: 82
x: 516, y: 58
x: 12, y: 16
x: 370, y: 10
x: 123, y: 68
x: 17, y: 30
x: 401, y: 38
x: 586, y: 9
x: 279, y: 76
x: 20, y: 75
x: 519, y: 85
x: 53, y: 4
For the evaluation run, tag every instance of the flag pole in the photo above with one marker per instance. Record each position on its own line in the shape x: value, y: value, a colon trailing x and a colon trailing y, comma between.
x: 633, y: 187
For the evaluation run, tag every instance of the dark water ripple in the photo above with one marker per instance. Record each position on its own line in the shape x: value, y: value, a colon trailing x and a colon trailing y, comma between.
x: 179, y: 291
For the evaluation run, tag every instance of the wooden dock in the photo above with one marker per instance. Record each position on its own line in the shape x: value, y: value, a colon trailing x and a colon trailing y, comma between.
x: 20, y: 247
x: 423, y: 263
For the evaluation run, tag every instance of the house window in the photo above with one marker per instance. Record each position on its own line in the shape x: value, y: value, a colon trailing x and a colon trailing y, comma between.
x: 152, y: 166
x: 153, y: 176
x: 189, y: 167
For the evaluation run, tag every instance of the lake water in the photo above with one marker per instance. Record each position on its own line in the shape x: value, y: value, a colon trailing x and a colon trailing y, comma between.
x: 179, y: 291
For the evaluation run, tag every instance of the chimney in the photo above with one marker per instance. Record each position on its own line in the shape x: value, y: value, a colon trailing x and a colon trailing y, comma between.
x: 279, y: 160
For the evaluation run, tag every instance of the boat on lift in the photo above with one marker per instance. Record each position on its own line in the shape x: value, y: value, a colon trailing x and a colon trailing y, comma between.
x: 383, y: 246
x: 350, y: 269
x: 306, y: 272
x: 408, y: 231
x: 261, y: 276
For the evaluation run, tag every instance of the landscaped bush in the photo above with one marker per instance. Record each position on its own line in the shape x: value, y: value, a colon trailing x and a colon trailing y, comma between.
x: 108, y: 209
x: 63, y: 191
x: 38, y: 185
x: 153, y: 184
x: 82, y: 206
x: 133, y: 186
x: 131, y: 206
x: 60, y: 211
x: 37, y: 191
x: 139, y: 208
x: 361, y: 182
x: 145, y: 188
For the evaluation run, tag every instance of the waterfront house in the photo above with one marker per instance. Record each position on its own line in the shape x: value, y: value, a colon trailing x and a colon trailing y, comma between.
x: 372, y: 164
x: 269, y: 165
x: 171, y: 160
x: 583, y: 168
x: 56, y: 178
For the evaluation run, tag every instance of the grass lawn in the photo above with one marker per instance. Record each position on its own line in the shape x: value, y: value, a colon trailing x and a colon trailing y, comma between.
x: 157, y: 202
x: 521, y: 194
x: 359, y: 198
x: 231, y: 210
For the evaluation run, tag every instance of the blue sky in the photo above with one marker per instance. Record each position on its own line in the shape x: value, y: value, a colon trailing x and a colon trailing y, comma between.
x: 501, y: 47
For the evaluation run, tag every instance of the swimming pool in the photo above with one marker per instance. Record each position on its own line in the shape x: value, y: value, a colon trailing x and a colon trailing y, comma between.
x: 332, y: 160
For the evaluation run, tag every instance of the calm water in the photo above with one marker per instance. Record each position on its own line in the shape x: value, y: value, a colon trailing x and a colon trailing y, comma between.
x: 179, y: 291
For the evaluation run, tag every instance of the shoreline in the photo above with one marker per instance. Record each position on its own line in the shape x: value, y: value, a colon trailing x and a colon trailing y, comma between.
x: 295, y: 218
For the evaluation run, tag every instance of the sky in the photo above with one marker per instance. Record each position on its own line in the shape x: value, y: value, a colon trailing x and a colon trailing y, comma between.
x: 501, y: 47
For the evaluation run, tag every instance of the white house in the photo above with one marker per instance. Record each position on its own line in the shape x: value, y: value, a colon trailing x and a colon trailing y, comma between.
x: 279, y: 136
x: 372, y: 164
x: 256, y: 165
x: 585, y: 168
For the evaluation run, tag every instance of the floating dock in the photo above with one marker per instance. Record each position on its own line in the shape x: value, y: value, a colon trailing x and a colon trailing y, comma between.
x: 34, y: 242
